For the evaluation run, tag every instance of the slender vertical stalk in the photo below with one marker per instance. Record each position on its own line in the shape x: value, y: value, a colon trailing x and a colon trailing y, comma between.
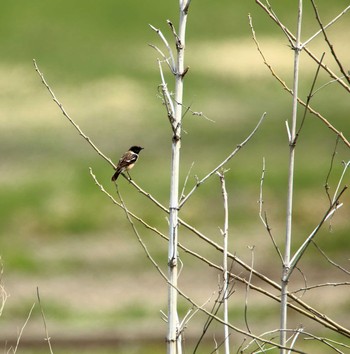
x: 226, y: 278
x: 173, y: 338
x: 288, y: 240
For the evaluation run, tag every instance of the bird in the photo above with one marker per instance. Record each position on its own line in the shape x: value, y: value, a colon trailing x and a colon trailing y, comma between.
x: 127, y: 161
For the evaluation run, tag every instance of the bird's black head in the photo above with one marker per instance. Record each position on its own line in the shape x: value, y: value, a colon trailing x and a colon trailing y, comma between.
x: 136, y: 149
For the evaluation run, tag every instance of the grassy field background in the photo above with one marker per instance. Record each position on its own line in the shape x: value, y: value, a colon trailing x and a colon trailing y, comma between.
x: 59, y: 233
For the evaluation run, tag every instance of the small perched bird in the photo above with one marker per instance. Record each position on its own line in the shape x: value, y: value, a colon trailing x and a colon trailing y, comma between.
x: 127, y: 161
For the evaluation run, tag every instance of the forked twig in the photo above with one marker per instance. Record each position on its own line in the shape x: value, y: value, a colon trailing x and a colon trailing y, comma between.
x: 170, y: 51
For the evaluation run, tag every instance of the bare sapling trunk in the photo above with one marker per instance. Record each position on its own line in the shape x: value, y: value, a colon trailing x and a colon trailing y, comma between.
x: 292, y: 145
x: 174, y: 338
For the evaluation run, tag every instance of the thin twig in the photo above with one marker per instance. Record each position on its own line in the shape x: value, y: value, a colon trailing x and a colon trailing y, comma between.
x: 217, y: 168
x: 295, y: 337
x: 346, y: 166
x: 22, y: 329
x: 186, y: 180
x: 47, y: 337
x: 264, y: 218
x: 195, y: 113
x: 327, y: 83
x: 326, y: 185
x: 64, y: 112
x: 3, y: 294
x: 298, y: 254
x: 284, y: 29
x: 329, y: 342
x: 127, y: 214
x: 168, y: 103
x: 162, y: 55
x: 166, y: 43
x: 310, y: 95
x: 214, y: 310
x: 247, y: 291
x: 330, y: 45
x: 323, y: 285
x: 335, y: 19
x: 330, y: 260
x: 249, y: 282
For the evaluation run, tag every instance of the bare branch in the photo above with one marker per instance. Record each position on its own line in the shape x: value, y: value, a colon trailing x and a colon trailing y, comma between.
x: 326, y: 185
x: 310, y: 95
x: 47, y: 337
x: 173, y: 30
x: 295, y: 336
x: 298, y: 254
x: 3, y: 294
x: 329, y: 260
x: 328, y: 342
x: 284, y: 29
x: 217, y: 168
x: 264, y: 218
x: 330, y: 45
x: 323, y: 285
x: 214, y: 310
x: 195, y: 113
x: 346, y: 165
x: 186, y: 180
x: 335, y: 19
x: 162, y: 55
x: 64, y: 112
x: 168, y: 103
x: 246, y: 298
x: 284, y: 85
x: 166, y: 43
x: 127, y: 214
x: 22, y: 329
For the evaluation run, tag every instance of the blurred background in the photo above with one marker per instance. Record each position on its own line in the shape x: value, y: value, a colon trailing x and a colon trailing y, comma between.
x: 60, y: 234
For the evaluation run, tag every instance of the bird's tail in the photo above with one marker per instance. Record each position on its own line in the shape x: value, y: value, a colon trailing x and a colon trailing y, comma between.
x: 115, y: 176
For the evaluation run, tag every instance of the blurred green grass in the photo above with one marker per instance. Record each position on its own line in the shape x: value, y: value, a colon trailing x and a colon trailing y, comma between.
x: 95, y: 57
